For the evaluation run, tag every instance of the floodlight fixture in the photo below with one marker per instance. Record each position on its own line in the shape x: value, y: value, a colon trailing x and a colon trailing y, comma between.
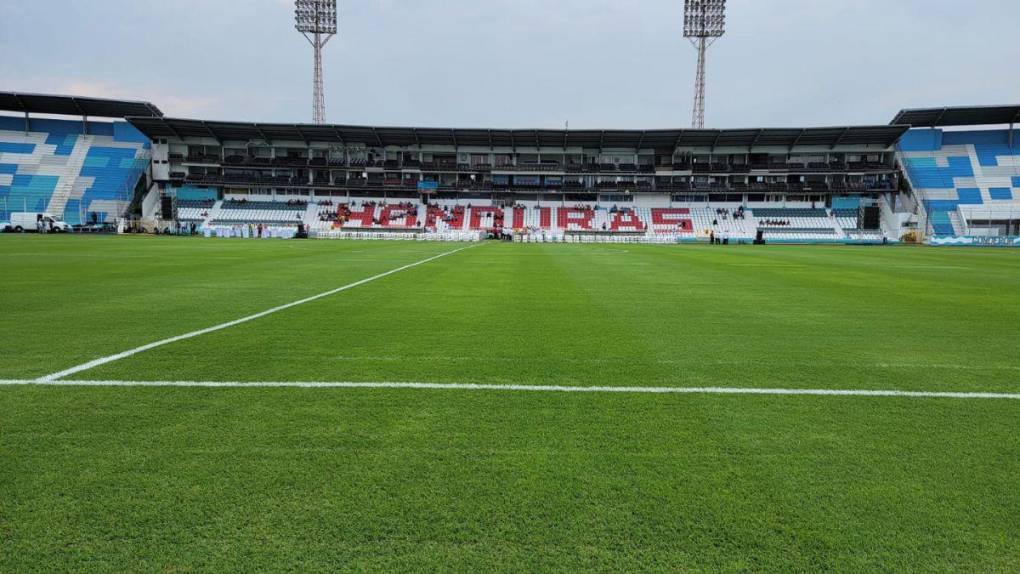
x: 704, y: 23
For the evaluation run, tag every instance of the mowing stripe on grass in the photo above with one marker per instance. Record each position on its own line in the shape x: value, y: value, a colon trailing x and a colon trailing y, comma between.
x: 109, y: 359
x: 526, y: 388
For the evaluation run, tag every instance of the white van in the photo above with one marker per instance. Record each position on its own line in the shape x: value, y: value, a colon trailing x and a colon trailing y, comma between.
x: 29, y: 222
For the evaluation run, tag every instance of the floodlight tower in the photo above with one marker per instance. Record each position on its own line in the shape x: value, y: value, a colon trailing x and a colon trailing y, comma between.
x: 704, y: 23
x: 316, y: 20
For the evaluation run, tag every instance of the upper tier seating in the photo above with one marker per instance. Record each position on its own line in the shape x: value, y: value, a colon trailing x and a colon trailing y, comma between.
x: 55, y: 168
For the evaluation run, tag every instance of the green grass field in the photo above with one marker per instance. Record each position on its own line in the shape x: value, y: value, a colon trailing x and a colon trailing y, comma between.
x: 314, y: 479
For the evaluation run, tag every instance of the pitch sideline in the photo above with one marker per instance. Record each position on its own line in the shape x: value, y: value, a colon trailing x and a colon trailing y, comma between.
x: 525, y: 388
x: 111, y: 358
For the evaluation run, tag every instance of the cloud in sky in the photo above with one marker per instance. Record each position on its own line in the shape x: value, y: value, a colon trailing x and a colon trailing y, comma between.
x: 520, y: 63
x: 192, y: 106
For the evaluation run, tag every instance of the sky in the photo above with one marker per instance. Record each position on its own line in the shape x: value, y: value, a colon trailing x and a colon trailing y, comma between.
x: 611, y: 64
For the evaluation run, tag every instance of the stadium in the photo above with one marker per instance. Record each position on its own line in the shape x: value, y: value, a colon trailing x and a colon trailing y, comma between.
x: 907, y: 181
x: 313, y: 346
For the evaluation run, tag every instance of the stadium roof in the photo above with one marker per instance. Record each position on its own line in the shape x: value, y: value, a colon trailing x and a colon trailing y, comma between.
x: 959, y: 116
x: 385, y: 136
x: 75, y: 106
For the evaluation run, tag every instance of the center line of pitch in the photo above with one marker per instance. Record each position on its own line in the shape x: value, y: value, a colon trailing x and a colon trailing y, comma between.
x: 111, y: 358
x: 528, y: 388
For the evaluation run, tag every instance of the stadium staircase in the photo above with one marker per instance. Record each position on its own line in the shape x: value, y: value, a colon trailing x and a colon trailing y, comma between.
x: 311, y: 216
x: 957, y: 220
x: 70, y: 175
x: 945, y: 223
x: 845, y: 220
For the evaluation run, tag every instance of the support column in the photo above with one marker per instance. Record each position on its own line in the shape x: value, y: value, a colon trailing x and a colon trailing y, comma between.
x: 698, y: 117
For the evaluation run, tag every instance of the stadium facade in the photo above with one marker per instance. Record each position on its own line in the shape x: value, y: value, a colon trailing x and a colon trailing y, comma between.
x: 838, y: 184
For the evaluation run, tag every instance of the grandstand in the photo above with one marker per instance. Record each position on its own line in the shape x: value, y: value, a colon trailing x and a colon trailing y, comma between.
x: 551, y: 183
x: 968, y: 180
x: 77, y: 170
x: 806, y: 185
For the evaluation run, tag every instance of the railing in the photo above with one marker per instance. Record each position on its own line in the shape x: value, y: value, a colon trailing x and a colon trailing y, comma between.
x: 130, y: 183
x: 235, y: 161
x: 888, y: 218
x: 964, y: 226
x: 645, y: 186
x: 978, y: 220
x: 922, y: 211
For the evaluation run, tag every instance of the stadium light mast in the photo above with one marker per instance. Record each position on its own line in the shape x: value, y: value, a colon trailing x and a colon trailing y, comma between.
x: 317, y: 22
x: 704, y: 23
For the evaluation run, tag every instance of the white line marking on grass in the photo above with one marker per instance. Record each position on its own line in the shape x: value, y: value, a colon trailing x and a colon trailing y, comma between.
x: 927, y: 267
x: 526, y: 388
x: 109, y: 359
x: 618, y: 360
x: 768, y: 265
x: 947, y: 366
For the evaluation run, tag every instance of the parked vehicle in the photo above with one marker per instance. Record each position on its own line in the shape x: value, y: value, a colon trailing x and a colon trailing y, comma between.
x: 32, y: 221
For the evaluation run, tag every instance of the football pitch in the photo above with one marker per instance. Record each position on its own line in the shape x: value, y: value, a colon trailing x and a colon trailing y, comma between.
x: 672, y: 458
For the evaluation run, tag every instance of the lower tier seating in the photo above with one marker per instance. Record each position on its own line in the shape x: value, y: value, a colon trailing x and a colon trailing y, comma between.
x: 806, y: 224
x: 192, y: 213
x: 941, y: 223
x: 537, y: 221
x: 258, y: 216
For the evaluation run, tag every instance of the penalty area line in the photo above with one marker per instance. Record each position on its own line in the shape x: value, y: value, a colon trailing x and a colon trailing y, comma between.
x: 525, y: 388
x: 111, y: 358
